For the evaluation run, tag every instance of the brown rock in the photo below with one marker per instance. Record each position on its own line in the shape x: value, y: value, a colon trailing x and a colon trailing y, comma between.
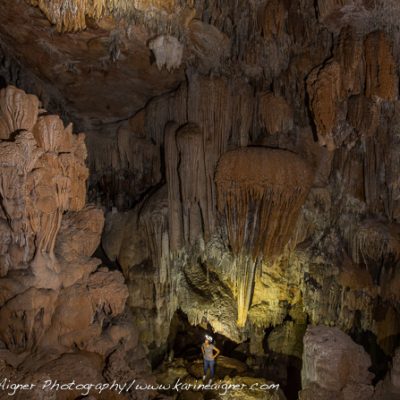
x: 79, y: 234
x: 381, y: 76
x: 324, y: 87
x: 334, y: 363
x: 275, y: 113
x: 25, y: 319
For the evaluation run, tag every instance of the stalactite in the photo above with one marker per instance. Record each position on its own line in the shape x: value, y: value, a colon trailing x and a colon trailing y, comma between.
x: 70, y: 15
x: 260, y: 192
x: 245, y: 269
x: 209, y: 106
x: 168, y: 52
x: 324, y: 86
x: 174, y: 194
x: 192, y: 177
x: 373, y: 167
x: 163, y: 109
x: 199, y: 143
x: 374, y: 241
x: 275, y: 114
x: 154, y: 219
x: 381, y: 76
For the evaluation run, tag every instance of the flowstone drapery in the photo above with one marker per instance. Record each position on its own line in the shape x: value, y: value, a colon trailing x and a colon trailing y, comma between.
x: 260, y: 192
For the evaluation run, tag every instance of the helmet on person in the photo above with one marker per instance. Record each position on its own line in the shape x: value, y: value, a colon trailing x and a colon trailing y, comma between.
x: 209, y: 338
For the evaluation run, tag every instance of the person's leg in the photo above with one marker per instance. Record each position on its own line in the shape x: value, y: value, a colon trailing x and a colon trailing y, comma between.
x: 212, y: 368
x: 205, y: 368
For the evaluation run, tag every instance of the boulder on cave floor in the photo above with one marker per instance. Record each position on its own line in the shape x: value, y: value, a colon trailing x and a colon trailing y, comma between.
x: 334, y: 367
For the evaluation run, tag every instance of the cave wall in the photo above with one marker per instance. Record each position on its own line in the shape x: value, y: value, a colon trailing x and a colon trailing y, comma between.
x: 245, y: 153
x: 332, y: 101
x: 62, y: 314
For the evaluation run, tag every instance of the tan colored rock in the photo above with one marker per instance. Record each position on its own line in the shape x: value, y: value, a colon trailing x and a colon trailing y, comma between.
x: 331, y: 11
x: 72, y: 17
x: 208, y: 44
x: 349, y: 53
x: 25, y: 319
x: 275, y: 113
x: 108, y: 292
x: 51, y: 178
x: 191, y: 172
x: 274, y: 18
x: 52, y: 301
x: 324, y: 87
x: 381, y: 76
x: 17, y: 111
x: 364, y: 115
x: 79, y: 234
x: 260, y: 172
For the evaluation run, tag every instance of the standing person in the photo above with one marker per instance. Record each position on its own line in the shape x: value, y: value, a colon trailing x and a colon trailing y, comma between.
x: 210, y: 353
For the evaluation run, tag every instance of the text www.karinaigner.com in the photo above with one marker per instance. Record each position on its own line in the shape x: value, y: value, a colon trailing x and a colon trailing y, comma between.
x: 85, y: 389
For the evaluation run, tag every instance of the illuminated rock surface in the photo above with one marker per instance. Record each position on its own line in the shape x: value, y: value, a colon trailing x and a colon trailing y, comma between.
x: 239, y: 174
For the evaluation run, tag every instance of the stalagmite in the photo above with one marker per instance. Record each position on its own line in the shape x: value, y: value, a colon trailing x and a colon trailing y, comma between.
x: 260, y: 192
x: 57, y: 299
x: 49, y: 182
x: 153, y: 219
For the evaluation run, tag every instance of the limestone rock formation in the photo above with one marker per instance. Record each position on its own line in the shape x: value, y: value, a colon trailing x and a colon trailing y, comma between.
x: 53, y: 295
x: 275, y: 113
x: 167, y: 51
x: 333, y: 365
x: 246, y: 154
x: 381, y: 78
x: 389, y: 387
x: 260, y: 193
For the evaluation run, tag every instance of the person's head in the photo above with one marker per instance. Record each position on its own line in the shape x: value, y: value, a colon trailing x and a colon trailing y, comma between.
x: 208, y: 339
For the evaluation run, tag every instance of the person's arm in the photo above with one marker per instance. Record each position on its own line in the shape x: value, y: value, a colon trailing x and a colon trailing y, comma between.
x: 202, y: 349
x: 217, y: 351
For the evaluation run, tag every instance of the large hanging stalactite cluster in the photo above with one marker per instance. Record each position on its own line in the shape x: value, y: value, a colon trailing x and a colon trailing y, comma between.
x: 260, y: 192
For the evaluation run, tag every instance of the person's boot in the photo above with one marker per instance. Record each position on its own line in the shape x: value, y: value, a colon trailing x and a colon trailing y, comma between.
x: 204, y: 378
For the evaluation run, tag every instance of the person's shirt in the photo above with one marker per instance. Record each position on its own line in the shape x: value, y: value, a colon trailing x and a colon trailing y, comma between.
x: 208, y: 352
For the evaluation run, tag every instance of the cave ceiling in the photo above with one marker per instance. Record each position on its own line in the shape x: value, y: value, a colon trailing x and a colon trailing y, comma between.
x: 97, y: 75
x: 93, y: 59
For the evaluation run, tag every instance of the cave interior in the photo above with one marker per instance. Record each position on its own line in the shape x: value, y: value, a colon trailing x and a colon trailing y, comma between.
x: 171, y: 169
